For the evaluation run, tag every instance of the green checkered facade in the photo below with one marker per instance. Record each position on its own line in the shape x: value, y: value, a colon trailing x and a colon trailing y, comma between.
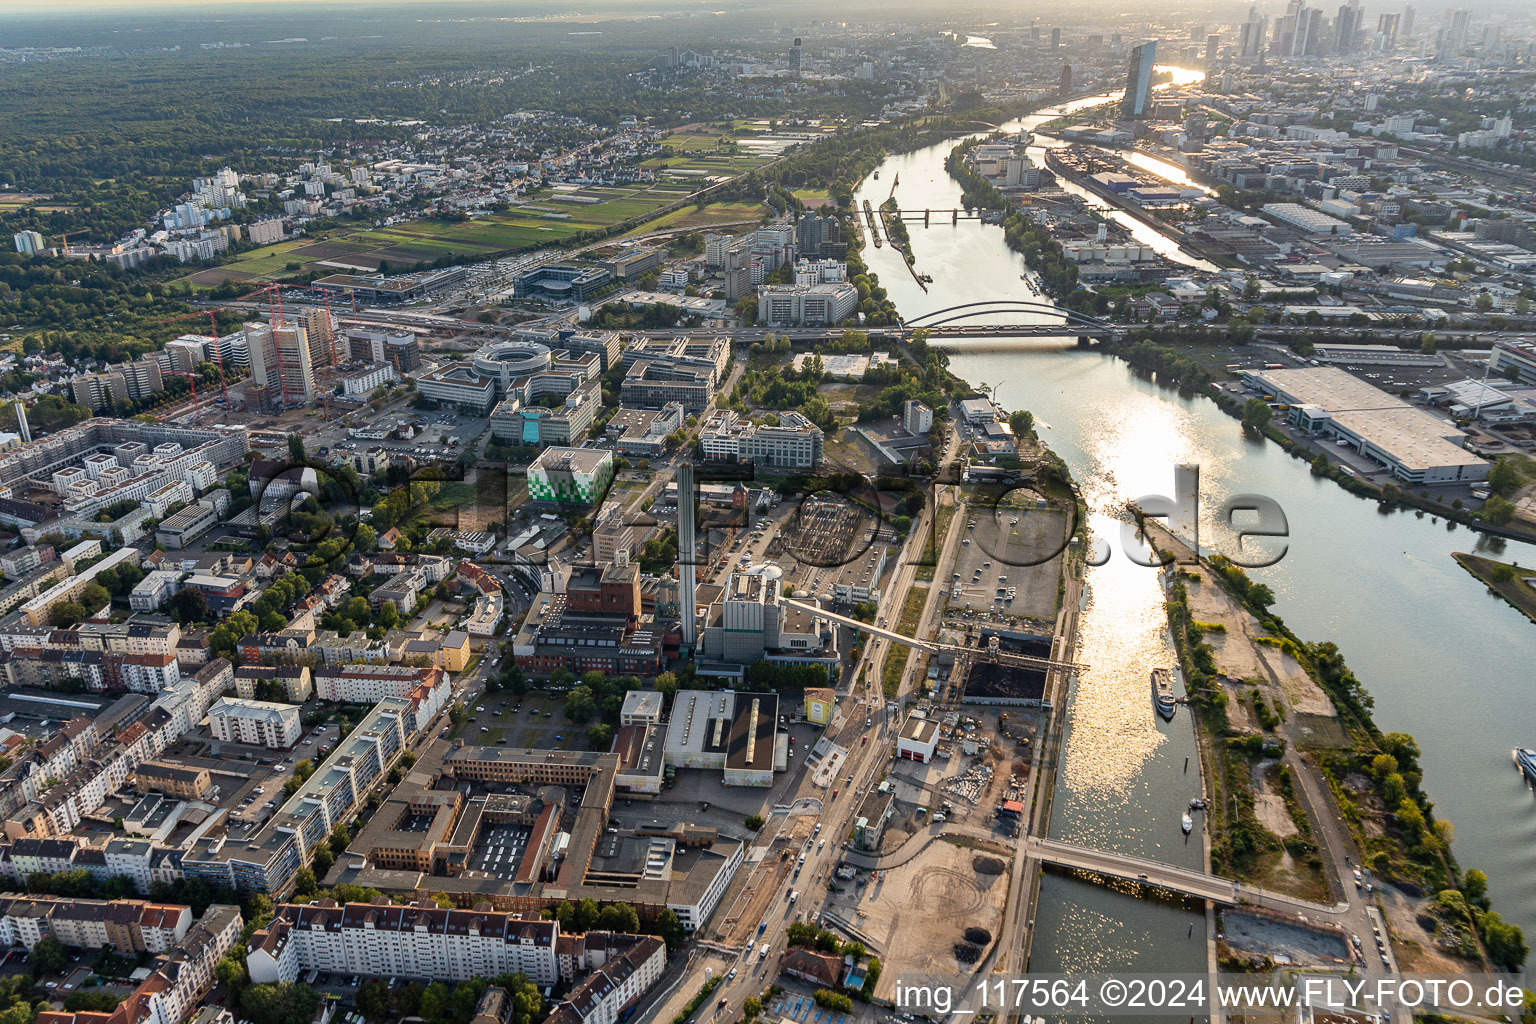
x: 569, y: 487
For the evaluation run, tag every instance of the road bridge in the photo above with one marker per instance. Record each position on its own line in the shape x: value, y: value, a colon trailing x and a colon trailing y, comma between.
x: 1188, y: 881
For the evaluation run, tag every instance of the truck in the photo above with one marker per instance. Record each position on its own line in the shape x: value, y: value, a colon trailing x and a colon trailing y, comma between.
x: 762, y: 954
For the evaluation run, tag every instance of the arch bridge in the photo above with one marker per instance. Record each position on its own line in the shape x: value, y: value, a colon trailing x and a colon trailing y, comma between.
x: 1073, y: 322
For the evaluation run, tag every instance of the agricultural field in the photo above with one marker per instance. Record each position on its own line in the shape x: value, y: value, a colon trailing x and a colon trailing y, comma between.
x: 545, y: 218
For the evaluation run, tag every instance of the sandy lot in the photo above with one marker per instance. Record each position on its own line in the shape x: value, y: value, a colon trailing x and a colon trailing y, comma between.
x: 1238, y: 656
x: 917, y: 913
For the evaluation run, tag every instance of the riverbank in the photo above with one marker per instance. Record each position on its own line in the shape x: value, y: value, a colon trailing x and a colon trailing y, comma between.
x: 1504, y: 580
x: 1121, y: 778
x: 1171, y: 367
x: 1186, y: 242
x: 1276, y: 758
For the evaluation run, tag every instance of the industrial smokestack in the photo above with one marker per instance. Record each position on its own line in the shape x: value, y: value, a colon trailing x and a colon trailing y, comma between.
x: 687, y: 554
x: 21, y: 422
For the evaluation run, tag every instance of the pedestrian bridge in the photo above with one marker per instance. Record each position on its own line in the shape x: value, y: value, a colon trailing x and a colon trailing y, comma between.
x: 1186, y: 881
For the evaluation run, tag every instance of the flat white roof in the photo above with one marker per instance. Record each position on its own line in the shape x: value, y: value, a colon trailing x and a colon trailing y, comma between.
x: 1413, y: 438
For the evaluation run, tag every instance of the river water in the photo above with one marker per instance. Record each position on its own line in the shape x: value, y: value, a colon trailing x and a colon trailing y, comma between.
x: 1444, y: 660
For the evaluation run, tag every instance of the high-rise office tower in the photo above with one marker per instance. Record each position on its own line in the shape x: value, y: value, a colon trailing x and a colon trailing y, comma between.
x: 1055, y: 38
x: 1386, y: 31
x: 1066, y: 78
x: 1138, y: 78
x: 1345, y: 28
x: 1405, y: 28
x: 280, y: 361
x: 796, y: 55
x: 1212, y: 42
x: 317, y: 327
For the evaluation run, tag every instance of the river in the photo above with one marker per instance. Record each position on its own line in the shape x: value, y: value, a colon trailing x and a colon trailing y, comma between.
x: 1444, y: 660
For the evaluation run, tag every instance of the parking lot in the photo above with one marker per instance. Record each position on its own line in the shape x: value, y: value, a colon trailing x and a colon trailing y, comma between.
x: 992, y: 571
x: 499, y: 849
x: 535, y: 720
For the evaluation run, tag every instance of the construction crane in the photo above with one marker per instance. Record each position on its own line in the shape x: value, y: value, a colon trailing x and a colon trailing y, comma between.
x: 66, y: 235
x: 197, y: 409
x: 218, y: 355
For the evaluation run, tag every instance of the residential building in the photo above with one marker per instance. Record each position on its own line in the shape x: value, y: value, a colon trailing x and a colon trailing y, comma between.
x: 255, y: 722
x: 422, y: 940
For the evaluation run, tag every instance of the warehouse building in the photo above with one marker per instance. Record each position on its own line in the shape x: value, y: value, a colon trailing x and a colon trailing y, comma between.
x: 1415, y: 446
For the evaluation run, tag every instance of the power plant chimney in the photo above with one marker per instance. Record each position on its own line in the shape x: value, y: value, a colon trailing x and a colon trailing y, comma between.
x: 21, y: 422
x: 687, y: 556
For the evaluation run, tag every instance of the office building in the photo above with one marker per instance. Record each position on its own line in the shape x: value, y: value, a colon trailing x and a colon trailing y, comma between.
x: 916, y: 417
x: 806, y: 305
x: 795, y: 442
x: 570, y: 476
x: 561, y: 282
x: 1138, y: 79
x: 458, y: 386
x: 280, y: 361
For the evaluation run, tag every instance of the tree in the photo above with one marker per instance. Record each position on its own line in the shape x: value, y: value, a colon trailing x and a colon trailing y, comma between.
x: 364, y: 538
x: 600, y: 736
x: 619, y: 917
x: 282, y: 1003
x: 304, y: 883
x: 387, y: 617
x: 66, y: 614
x: 669, y: 928
x: 1256, y: 414
x: 1505, y: 942
x: 49, y: 955
x: 580, y: 706
x: 458, y: 716
x: 1498, y: 510
x: 1483, y: 302
x: 340, y: 837
x: 753, y: 821
x: 1022, y: 422
x: 1504, y: 479
x: 296, y: 448
x: 189, y: 606
x: 434, y: 1002
x: 231, y: 971
x: 373, y: 999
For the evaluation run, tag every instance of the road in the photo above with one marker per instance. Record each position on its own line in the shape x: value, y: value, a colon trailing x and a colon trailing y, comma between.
x: 865, y: 761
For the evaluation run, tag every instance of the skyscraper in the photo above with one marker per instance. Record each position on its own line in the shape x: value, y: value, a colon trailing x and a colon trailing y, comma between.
x: 1066, y: 78
x: 280, y: 360
x: 1386, y: 31
x: 1055, y: 38
x: 1138, y: 78
x: 1406, y: 28
x: 317, y: 327
x: 796, y: 55
x: 1212, y: 43
x: 28, y: 242
x: 1345, y: 28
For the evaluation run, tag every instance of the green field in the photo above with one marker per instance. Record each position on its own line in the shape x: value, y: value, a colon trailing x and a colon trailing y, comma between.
x: 544, y: 219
